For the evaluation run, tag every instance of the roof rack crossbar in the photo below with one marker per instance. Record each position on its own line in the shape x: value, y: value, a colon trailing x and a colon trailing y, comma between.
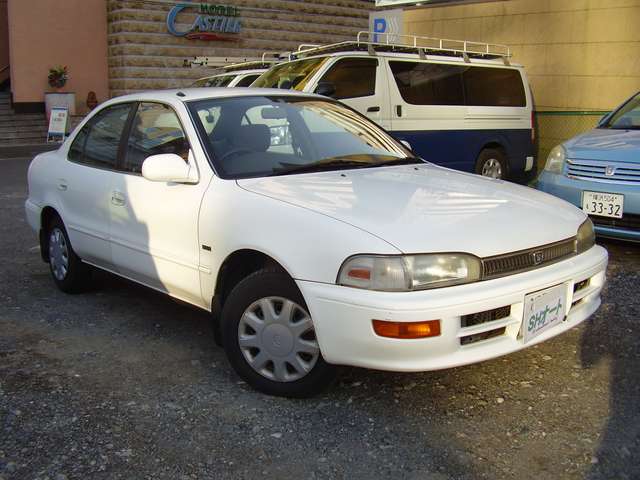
x: 412, y: 44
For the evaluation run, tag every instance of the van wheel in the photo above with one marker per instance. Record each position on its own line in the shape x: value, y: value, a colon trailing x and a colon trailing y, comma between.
x: 492, y: 163
x: 69, y: 273
x: 269, y: 337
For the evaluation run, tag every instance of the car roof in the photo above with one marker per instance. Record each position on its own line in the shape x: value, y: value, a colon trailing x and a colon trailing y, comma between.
x: 178, y: 95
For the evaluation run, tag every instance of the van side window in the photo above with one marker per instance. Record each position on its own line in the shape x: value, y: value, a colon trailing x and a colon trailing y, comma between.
x: 76, y: 150
x: 155, y: 130
x: 423, y: 83
x: 494, y: 87
x: 246, y: 81
x: 352, y: 77
x: 102, y: 137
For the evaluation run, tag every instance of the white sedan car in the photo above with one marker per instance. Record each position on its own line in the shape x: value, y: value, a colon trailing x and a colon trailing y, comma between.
x: 313, y: 237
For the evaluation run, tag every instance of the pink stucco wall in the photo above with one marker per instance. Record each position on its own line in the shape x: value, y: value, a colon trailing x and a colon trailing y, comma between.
x: 74, y: 34
x: 4, y: 41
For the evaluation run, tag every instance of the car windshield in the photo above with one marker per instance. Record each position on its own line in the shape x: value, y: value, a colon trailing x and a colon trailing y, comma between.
x: 291, y: 75
x: 257, y: 136
x: 627, y: 117
x: 217, y: 81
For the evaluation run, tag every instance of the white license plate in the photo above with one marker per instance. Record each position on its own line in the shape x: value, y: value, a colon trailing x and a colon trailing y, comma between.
x: 603, y: 204
x: 543, y: 310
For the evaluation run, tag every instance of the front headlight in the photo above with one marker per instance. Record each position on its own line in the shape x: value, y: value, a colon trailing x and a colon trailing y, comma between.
x: 409, y: 272
x: 555, y: 160
x: 586, y: 237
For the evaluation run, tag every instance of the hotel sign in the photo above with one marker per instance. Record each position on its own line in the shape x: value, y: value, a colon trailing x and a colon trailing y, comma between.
x: 214, y: 22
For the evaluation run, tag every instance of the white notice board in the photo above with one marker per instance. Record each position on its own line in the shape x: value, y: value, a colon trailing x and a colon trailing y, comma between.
x: 58, y: 123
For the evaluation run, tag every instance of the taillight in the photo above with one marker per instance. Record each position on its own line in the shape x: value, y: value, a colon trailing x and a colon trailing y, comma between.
x: 533, y: 127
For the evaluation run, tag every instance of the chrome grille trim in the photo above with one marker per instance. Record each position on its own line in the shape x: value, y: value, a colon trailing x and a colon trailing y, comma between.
x: 529, y: 259
x: 595, y: 170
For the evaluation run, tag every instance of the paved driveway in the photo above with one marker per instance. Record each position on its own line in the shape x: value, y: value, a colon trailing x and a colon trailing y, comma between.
x: 123, y: 382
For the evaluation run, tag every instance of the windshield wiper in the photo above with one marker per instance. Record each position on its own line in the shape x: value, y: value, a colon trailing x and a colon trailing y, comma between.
x: 337, y: 164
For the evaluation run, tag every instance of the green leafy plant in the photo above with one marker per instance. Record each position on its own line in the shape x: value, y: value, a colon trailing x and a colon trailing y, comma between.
x: 58, y: 76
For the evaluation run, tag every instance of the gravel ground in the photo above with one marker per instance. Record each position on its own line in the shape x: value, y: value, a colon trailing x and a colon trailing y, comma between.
x: 122, y: 382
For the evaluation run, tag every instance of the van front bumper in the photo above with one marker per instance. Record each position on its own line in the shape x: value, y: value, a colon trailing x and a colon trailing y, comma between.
x: 343, y: 316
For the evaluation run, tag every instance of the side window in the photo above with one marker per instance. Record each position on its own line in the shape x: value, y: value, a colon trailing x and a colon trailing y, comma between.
x: 352, y: 77
x: 155, y: 130
x: 76, y: 151
x: 103, y: 137
x: 494, y: 87
x: 246, y: 81
x: 422, y: 83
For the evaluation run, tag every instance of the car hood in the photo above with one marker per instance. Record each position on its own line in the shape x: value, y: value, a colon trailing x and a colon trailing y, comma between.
x: 426, y: 208
x: 606, y: 145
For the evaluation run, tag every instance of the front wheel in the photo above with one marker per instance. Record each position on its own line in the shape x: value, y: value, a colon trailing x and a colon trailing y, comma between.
x: 269, y: 337
x: 492, y: 163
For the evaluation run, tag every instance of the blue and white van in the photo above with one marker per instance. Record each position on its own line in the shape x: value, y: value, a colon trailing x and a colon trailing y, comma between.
x: 459, y: 104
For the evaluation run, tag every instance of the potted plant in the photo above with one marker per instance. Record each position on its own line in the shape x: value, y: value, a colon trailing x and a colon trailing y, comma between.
x: 57, y: 79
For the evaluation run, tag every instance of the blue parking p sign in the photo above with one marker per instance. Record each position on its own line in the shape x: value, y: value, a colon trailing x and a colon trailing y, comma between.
x: 385, y: 25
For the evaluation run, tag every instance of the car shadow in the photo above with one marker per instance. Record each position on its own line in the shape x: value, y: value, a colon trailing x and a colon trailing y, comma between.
x: 612, y: 335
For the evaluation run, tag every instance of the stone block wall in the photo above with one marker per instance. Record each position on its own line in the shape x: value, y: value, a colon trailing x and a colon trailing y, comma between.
x: 144, y: 55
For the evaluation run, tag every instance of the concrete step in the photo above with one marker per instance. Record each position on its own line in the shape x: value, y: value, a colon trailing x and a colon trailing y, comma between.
x: 22, y: 135
x: 21, y: 129
x: 20, y: 123
x: 19, y: 149
x: 20, y: 116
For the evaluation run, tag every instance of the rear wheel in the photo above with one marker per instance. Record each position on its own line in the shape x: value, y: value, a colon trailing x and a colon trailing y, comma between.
x: 269, y: 337
x: 492, y: 163
x: 69, y: 273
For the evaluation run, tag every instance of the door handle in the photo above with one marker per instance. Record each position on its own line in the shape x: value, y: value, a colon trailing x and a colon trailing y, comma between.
x: 117, y: 199
x: 62, y: 185
x: 399, y: 110
x: 373, y: 109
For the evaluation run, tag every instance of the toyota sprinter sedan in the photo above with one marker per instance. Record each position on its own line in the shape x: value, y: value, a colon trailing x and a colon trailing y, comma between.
x: 313, y: 237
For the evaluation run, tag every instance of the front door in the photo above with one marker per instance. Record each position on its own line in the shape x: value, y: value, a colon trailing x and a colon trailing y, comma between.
x: 154, y: 225
x: 361, y: 83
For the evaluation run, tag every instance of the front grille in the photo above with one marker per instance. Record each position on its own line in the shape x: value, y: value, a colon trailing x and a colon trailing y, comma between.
x: 628, y: 221
x: 597, y: 170
x: 516, y: 262
x: 479, y: 337
x: 484, y: 317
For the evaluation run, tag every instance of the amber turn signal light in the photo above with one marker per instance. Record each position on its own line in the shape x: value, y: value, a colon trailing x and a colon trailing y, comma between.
x: 429, y: 328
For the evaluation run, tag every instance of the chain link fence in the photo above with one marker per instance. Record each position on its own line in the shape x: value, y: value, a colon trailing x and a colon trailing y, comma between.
x: 555, y: 127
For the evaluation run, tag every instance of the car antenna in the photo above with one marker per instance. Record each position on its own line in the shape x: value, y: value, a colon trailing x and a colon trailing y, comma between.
x: 181, y: 94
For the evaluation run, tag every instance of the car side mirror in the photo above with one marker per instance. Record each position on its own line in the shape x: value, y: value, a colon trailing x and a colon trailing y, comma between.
x: 327, y: 89
x: 168, y: 167
x: 604, y: 119
x: 406, y: 144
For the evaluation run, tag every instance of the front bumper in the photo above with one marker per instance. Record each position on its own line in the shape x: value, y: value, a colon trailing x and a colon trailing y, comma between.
x: 570, y: 189
x: 343, y: 316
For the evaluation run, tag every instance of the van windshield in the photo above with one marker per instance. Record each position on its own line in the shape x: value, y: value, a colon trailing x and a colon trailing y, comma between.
x: 258, y: 136
x: 291, y: 75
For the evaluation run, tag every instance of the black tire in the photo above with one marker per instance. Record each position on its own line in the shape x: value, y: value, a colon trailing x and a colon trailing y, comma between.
x: 260, y: 285
x: 78, y: 274
x: 486, y: 160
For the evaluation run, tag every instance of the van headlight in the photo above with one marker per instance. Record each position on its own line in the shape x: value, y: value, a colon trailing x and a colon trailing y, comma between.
x: 555, y: 160
x: 402, y: 273
x: 586, y: 237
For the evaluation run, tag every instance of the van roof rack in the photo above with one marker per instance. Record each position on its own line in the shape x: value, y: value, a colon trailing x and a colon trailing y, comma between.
x: 221, y: 64
x: 393, y: 42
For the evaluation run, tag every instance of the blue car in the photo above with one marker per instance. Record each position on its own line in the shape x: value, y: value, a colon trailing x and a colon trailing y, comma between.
x: 599, y: 172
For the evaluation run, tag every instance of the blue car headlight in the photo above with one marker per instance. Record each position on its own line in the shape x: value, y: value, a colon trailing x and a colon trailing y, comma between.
x: 556, y: 159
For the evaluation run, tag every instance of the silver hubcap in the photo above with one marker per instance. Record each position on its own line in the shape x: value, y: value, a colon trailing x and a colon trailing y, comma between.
x: 58, y: 254
x: 277, y: 339
x: 492, y: 168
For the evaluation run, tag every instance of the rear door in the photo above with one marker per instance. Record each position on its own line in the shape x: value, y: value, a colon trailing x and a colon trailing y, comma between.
x: 361, y: 83
x: 85, y: 183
